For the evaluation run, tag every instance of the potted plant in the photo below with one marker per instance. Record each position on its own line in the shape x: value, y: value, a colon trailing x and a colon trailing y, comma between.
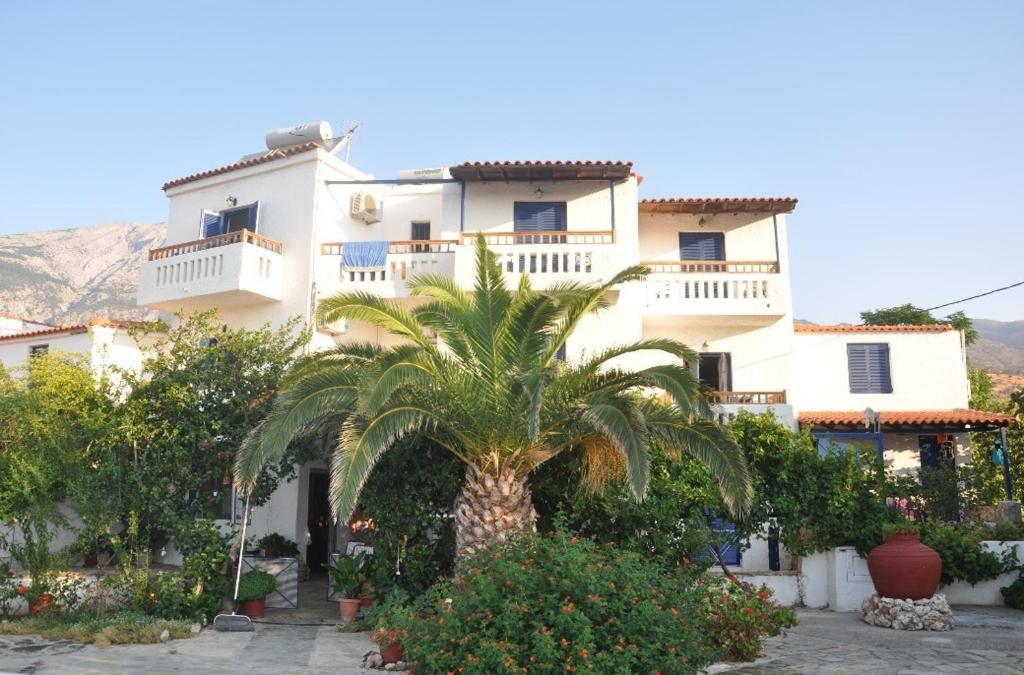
x: 902, y: 567
x: 253, y: 589
x: 37, y: 594
x: 387, y: 633
x: 347, y: 579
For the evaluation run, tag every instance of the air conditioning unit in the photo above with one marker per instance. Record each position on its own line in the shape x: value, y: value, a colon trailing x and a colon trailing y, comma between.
x: 366, y: 207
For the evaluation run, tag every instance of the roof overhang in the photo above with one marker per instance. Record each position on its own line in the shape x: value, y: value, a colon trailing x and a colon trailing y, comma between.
x: 541, y: 171
x: 713, y: 205
x: 957, y: 419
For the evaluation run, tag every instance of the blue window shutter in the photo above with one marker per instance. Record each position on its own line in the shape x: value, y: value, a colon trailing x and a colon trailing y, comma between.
x: 211, y: 224
x: 702, y: 246
x: 254, y: 212
x: 539, y: 216
x: 868, y: 365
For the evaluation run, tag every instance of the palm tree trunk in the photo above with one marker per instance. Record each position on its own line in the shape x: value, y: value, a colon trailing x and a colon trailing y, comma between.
x: 489, y: 510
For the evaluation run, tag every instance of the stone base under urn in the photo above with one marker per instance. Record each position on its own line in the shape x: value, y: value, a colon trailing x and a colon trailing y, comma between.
x: 932, y: 613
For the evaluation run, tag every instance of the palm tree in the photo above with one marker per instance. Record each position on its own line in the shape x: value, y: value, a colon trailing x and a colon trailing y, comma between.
x: 479, y: 373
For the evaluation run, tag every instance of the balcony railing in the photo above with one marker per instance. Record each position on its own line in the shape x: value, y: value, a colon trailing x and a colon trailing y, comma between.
x: 239, y: 236
x: 746, y: 397
x: 718, y: 266
x: 406, y: 246
x: 541, y: 238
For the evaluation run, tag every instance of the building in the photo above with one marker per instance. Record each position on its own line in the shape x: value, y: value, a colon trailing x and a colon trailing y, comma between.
x: 265, y: 238
x: 107, y: 345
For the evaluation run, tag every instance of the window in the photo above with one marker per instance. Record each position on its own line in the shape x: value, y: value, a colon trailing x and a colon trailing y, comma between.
x: 38, y: 350
x: 702, y: 246
x: 868, y: 365
x: 420, y: 230
x: 237, y: 218
x: 560, y: 354
x: 540, y: 216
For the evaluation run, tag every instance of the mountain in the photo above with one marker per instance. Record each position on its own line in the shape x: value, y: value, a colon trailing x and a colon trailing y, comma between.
x: 69, y: 276
x: 1000, y: 346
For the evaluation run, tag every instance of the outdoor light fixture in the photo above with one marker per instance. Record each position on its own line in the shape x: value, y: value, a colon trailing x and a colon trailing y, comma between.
x: 704, y: 347
x: 232, y: 200
x: 538, y: 193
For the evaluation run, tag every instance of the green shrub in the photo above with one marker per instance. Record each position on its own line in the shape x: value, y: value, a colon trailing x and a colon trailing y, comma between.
x: 255, y: 585
x: 276, y: 545
x: 121, y: 628
x: 906, y: 527
x: 740, y: 616
x: 963, y: 558
x: 558, y: 603
x: 1013, y: 595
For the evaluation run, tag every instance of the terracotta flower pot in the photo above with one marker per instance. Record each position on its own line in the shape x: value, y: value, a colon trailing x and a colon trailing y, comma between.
x: 91, y: 560
x: 366, y: 602
x: 253, y: 608
x: 904, y: 568
x: 392, y: 653
x: 40, y: 603
x: 348, y: 608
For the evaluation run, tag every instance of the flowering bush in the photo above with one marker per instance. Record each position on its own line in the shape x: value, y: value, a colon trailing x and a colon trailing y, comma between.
x: 740, y: 616
x: 562, y: 604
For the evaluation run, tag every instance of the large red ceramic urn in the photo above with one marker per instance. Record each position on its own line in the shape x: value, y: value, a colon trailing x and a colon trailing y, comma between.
x: 904, y: 568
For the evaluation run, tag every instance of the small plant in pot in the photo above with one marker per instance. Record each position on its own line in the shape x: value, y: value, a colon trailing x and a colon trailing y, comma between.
x: 347, y: 579
x: 902, y: 567
x: 37, y: 594
x: 386, y: 634
x: 253, y: 589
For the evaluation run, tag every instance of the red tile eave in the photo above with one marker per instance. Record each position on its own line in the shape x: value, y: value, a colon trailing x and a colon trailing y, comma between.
x: 268, y: 156
x: 57, y: 330
x: 712, y: 205
x: 957, y: 417
x: 899, y: 328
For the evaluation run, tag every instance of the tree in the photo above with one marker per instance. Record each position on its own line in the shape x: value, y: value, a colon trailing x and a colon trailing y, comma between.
x: 909, y: 315
x: 495, y: 395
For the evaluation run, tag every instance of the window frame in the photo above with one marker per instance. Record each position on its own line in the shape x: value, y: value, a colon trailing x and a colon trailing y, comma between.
x: 38, y: 350
x: 716, y: 235
x: 561, y: 206
x: 412, y: 230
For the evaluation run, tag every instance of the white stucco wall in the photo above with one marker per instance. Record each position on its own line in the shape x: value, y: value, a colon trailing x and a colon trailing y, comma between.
x: 928, y: 371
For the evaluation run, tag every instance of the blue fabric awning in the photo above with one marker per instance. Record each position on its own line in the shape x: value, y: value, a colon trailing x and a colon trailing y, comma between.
x: 364, y: 255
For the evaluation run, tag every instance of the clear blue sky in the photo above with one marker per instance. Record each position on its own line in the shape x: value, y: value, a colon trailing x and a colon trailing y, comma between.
x: 897, y: 124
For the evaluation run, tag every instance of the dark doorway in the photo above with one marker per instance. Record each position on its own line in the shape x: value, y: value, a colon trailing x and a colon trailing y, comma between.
x: 936, y: 452
x: 715, y: 372
x: 318, y: 520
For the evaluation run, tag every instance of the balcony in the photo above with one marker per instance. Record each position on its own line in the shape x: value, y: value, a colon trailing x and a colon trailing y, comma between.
x: 237, y: 268
x: 741, y: 291
x: 405, y: 259
x: 727, y: 404
x: 548, y: 257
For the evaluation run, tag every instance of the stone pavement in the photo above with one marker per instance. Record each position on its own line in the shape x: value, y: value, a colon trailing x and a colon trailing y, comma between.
x: 985, y: 640
x: 301, y: 641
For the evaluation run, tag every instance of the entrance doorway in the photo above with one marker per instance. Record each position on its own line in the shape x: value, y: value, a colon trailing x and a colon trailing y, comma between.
x: 318, y: 522
x: 714, y: 371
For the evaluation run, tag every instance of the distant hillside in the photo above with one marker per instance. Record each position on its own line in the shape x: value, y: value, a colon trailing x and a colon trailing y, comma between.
x: 1000, y: 347
x: 68, y: 276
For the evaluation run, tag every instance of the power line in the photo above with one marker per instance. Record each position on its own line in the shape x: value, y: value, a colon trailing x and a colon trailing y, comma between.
x: 979, y: 295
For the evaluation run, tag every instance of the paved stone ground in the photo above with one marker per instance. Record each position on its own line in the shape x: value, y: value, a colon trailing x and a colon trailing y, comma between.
x: 986, y: 640
x: 301, y: 641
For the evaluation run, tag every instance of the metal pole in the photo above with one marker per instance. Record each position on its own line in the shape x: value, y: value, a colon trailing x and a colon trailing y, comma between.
x: 1007, y: 479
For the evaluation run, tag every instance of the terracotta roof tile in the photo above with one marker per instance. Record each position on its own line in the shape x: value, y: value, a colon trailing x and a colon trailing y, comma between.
x: 859, y: 328
x: 694, y: 205
x: 56, y: 330
x: 956, y: 416
x: 542, y: 170
x: 268, y: 156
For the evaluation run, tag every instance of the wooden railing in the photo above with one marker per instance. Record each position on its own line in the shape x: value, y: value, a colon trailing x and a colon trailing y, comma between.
x: 237, y: 237
x: 404, y: 246
x: 724, y: 266
x: 541, y: 238
x: 746, y: 397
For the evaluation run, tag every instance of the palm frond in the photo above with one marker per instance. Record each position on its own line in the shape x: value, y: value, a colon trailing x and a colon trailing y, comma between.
x: 363, y: 306
x: 618, y: 426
